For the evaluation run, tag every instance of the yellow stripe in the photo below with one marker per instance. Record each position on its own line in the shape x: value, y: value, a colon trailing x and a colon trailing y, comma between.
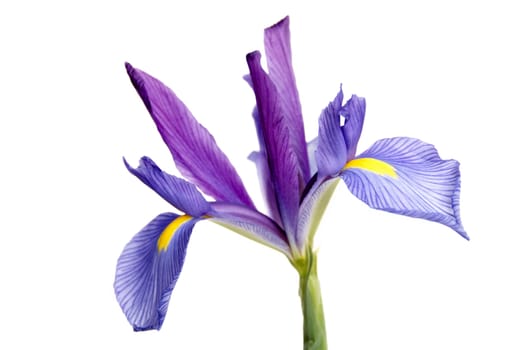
x: 374, y: 165
x: 166, y: 236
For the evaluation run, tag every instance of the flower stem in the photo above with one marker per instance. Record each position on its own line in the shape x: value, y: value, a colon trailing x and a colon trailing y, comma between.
x: 314, y: 323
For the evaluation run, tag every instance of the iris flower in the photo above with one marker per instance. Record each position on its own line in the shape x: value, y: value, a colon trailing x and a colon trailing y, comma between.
x: 400, y: 175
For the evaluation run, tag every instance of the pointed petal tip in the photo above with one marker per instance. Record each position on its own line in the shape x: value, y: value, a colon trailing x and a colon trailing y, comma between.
x: 130, y: 70
x: 126, y: 164
x: 284, y: 22
x: 141, y: 161
x: 463, y: 234
x: 139, y: 80
x: 125, y: 161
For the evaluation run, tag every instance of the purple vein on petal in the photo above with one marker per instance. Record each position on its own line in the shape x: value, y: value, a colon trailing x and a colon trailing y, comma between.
x: 331, y: 152
x: 283, y: 163
x: 251, y: 224
x: 178, y: 192
x: 277, y: 40
x: 418, y: 182
x: 353, y: 112
x: 337, y: 144
x: 193, y: 148
x: 145, y: 276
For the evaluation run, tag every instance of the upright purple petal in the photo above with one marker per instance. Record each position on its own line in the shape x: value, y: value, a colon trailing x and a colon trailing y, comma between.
x: 331, y: 154
x: 337, y: 144
x: 193, y: 148
x: 262, y: 167
x: 149, y: 268
x: 178, y: 192
x: 277, y: 41
x: 406, y: 176
x: 286, y: 175
x: 353, y: 112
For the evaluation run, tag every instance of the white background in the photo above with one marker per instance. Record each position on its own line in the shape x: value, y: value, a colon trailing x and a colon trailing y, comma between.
x: 452, y: 73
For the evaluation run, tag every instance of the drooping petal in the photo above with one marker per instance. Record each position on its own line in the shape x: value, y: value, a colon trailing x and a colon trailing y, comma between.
x: 331, y: 154
x: 178, y: 192
x: 283, y: 163
x: 251, y: 224
x: 279, y: 61
x: 149, y: 267
x: 406, y: 176
x: 353, y: 112
x: 193, y: 148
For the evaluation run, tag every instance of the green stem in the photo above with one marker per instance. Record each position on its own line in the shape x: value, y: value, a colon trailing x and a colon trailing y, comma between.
x: 314, y: 324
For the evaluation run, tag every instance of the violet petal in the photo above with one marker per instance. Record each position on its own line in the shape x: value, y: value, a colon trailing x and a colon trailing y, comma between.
x: 193, y: 148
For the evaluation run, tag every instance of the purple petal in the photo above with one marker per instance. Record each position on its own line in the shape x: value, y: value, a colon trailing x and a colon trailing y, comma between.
x: 331, y: 154
x: 251, y: 224
x: 260, y: 160
x: 406, y: 176
x: 353, y: 112
x: 279, y: 61
x: 149, y: 267
x: 281, y: 157
x: 193, y: 148
x: 178, y: 192
x: 337, y: 144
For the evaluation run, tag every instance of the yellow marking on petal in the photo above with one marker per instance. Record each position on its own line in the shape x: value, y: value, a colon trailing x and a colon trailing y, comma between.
x: 166, y: 236
x: 374, y: 165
